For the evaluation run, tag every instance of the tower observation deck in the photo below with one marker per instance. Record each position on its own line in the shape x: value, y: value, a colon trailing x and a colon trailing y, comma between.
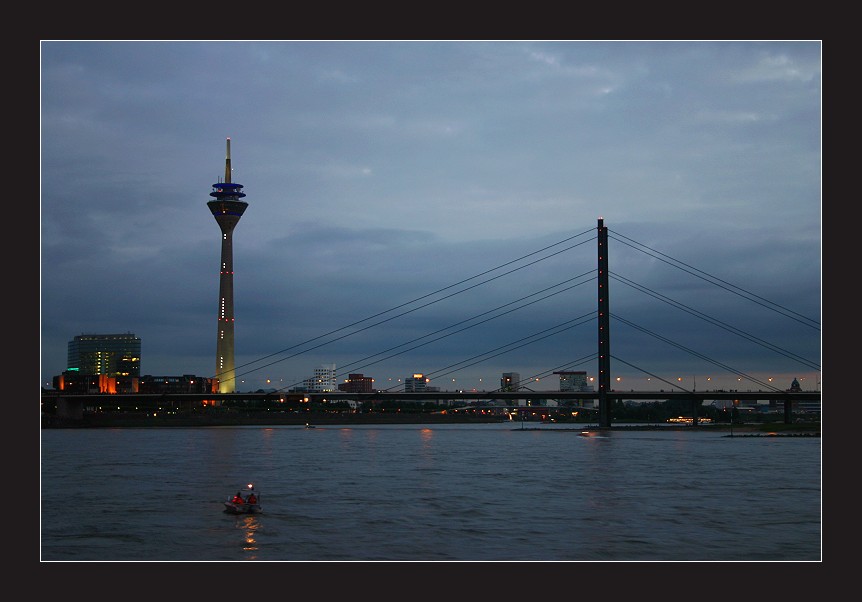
x: 227, y: 208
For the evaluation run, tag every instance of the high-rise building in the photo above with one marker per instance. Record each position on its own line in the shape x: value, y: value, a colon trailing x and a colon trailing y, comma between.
x: 416, y: 383
x: 323, y: 380
x: 227, y: 209
x: 114, y: 355
x: 510, y: 381
x: 573, y: 381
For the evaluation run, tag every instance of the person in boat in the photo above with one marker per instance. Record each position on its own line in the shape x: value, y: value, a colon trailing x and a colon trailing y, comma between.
x: 237, y: 499
x: 252, y: 499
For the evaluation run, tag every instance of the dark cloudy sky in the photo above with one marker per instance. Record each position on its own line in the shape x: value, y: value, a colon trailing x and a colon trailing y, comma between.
x: 381, y: 173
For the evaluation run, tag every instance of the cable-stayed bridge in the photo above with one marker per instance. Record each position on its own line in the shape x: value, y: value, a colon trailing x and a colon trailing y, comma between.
x: 604, y: 394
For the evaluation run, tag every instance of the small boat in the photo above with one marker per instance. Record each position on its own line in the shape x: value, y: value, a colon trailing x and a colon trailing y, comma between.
x: 245, y: 501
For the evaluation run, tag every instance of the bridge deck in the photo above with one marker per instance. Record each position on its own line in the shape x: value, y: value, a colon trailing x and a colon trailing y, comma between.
x: 450, y: 395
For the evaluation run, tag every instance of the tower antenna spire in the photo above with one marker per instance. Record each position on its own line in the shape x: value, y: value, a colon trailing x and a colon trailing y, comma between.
x: 227, y: 163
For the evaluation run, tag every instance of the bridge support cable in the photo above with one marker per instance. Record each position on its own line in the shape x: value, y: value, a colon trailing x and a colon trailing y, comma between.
x: 475, y: 317
x: 409, y: 310
x: 696, y: 354
x: 788, y: 313
x: 604, y: 314
x: 523, y: 342
x: 651, y: 375
x: 717, y: 322
x: 549, y: 372
x: 353, y: 366
x: 585, y: 318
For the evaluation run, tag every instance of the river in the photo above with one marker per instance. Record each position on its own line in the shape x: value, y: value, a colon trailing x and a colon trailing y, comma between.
x: 453, y: 492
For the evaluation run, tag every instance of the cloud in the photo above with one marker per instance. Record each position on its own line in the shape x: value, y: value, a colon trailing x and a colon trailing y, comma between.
x: 380, y: 172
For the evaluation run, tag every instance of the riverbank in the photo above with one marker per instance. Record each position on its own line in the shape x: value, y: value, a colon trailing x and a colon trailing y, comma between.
x: 235, y: 418
x: 230, y: 418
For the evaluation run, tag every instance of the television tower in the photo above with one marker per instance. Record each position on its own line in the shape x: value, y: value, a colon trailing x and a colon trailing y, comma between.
x: 226, y: 208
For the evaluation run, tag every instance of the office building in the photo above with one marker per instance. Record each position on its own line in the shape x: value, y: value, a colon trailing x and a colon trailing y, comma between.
x: 574, y: 381
x: 323, y: 380
x: 416, y: 383
x: 510, y: 381
x: 113, y: 355
x: 357, y: 383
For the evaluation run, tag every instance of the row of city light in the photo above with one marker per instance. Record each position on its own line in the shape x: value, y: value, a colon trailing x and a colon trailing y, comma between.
x: 591, y: 379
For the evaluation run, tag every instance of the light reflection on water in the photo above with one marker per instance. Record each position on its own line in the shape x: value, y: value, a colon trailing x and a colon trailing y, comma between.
x: 249, y: 524
x: 437, y: 493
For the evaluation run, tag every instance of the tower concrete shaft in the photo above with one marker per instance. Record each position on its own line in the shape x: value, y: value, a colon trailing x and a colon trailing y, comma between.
x: 227, y: 209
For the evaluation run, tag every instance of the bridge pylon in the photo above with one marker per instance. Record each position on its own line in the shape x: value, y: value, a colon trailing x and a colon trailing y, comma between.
x: 604, y: 316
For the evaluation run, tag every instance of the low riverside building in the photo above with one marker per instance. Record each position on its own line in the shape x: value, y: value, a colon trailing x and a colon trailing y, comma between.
x: 72, y: 381
x: 187, y: 383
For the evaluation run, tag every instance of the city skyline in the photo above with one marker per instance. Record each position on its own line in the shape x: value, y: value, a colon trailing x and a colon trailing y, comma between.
x: 379, y: 172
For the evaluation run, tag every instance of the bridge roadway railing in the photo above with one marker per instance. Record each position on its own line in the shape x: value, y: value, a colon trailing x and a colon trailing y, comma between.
x: 70, y: 405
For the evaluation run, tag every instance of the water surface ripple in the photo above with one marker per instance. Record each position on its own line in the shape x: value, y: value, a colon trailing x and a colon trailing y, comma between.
x: 429, y: 493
